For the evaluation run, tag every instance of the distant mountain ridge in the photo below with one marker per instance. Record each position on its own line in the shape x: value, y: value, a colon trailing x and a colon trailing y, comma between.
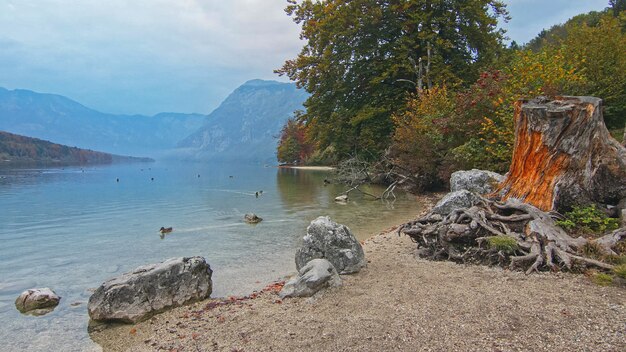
x: 62, y: 120
x: 16, y: 150
x: 243, y: 128
x: 245, y: 125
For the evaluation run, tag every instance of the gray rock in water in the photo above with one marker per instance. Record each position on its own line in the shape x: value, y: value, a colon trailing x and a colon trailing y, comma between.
x: 37, y: 299
x: 334, y: 242
x: 341, y: 199
x: 252, y: 218
x: 150, y: 289
x: 456, y: 200
x: 477, y: 181
x: 317, y: 274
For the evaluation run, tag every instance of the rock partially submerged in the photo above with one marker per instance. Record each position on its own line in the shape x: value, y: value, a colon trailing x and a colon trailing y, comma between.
x: 316, y: 275
x: 334, y: 242
x: 252, y: 218
x: 456, y: 200
x: 37, y: 301
x: 477, y: 181
x: 342, y: 198
x: 150, y: 289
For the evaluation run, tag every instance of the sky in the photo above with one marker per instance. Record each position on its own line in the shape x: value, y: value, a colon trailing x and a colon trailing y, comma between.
x: 151, y: 56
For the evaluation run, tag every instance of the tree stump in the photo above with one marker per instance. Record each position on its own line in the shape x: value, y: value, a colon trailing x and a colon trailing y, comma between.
x: 564, y: 155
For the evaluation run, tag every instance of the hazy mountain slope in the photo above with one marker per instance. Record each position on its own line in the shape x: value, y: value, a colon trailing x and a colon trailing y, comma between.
x: 57, y: 118
x: 16, y: 149
x: 244, y: 127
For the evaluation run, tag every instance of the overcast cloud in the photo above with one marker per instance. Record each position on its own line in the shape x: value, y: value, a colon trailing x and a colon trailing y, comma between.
x: 149, y: 56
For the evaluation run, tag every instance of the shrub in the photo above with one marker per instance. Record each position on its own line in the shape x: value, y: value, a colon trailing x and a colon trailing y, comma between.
x: 502, y: 243
x: 602, y: 279
x: 620, y: 271
x: 588, y: 220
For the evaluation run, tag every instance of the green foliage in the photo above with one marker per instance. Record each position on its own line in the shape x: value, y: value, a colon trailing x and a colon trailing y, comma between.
x: 602, y: 279
x: 502, y: 243
x: 424, y: 134
x: 593, y: 45
x: 588, y: 220
x: 362, y: 57
x: 620, y: 271
x: 615, y: 259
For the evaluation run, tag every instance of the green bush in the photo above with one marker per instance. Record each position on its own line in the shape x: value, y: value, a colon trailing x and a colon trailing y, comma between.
x: 588, y: 220
x: 620, y: 271
x: 502, y: 243
x: 602, y: 279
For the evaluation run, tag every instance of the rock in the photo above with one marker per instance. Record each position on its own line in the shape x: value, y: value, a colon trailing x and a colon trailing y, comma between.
x: 326, y: 239
x: 252, y: 218
x: 342, y: 199
x: 477, y: 181
x: 37, y: 299
x: 456, y: 200
x: 150, y: 289
x: 317, y: 274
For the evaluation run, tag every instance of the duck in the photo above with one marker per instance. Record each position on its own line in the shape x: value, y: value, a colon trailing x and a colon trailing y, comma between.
x: 164, y: 230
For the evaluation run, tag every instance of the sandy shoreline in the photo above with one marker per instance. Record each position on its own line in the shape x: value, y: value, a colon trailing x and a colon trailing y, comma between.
x: 398, y: 302
x: 320, y: 168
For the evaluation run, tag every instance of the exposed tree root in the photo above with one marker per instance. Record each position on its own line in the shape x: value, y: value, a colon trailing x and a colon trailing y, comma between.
x: 530, y: 238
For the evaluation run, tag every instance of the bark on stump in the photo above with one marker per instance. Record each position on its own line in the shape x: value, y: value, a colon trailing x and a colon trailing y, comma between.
x: 564, y: 155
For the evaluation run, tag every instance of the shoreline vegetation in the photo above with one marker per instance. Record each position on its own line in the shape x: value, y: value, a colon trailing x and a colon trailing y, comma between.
x: 444, y: 306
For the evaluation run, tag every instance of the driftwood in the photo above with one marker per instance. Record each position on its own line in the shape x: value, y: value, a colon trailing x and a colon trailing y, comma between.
x: 463, y: 236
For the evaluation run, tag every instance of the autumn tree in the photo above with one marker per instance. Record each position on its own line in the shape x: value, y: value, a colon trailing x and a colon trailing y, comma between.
x: 362, y: 57
x: 293, y: 146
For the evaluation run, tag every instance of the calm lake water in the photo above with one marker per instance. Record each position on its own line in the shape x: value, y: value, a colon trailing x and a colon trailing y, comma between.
x: 72, y: 228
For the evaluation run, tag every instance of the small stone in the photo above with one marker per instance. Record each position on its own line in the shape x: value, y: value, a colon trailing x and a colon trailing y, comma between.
x: 37, y: 299
x: 252, y: 218
x: 342, y: 199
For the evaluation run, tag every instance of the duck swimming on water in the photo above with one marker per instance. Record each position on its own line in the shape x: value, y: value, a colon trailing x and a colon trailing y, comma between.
x: 165, y: 230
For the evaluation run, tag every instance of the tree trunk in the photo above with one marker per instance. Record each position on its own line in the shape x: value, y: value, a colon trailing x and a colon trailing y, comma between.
x: 564, y: 155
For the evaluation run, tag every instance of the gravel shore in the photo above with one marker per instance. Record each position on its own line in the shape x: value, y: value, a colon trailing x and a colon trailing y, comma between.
x: 398, y: 303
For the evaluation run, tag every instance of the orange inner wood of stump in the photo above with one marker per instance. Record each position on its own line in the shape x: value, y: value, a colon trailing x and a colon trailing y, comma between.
x: 534, y: 169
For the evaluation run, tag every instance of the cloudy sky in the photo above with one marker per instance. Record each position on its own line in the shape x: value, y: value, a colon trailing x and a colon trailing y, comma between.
x: 150, y: 56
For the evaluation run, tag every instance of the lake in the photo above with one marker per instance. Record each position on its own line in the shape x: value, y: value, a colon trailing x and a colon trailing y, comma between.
x: 72, y: 228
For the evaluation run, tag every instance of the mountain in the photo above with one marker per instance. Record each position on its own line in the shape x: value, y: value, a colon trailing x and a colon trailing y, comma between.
x: 245, y: 125
x: 16, y: 149
x: 57, y: 118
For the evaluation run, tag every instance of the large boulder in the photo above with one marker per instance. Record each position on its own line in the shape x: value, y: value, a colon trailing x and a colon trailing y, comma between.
x: 37, y: 301
x: 329, y: 240
x: 317, y: 274
x: 456, y: 200
x: 477, y: 181
x: 150, y: 289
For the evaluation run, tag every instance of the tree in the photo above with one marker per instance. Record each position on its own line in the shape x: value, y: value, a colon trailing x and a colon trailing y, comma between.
x: 362, y: 57
x: 293, y: 146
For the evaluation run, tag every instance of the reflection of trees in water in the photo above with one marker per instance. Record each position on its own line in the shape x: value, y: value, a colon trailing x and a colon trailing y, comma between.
x: 300, y: 187
x: 303, y: 192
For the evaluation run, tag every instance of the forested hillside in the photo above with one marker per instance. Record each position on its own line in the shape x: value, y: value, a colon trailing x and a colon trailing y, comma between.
x: 16, y: 149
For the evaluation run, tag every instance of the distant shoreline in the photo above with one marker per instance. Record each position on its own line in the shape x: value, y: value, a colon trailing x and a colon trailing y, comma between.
x: 320, y: 168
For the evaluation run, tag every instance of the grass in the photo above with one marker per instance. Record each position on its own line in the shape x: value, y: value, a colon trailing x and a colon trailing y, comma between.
x: 502, y: 243
x: 602, y: 279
